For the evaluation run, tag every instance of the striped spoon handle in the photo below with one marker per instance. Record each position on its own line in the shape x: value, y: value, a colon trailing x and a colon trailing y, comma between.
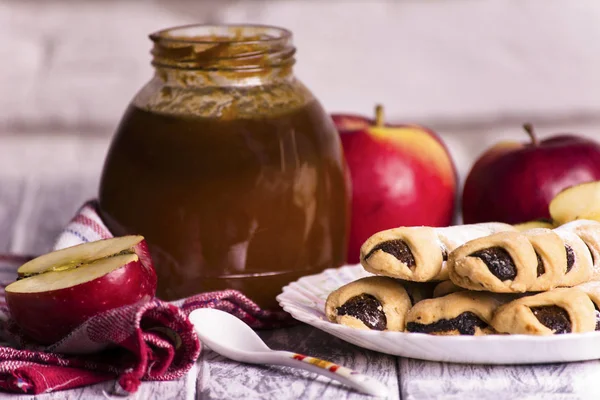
x: 355, y: 380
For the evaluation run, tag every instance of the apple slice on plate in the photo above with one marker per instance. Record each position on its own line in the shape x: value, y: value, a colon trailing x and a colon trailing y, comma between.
x: 58, y: 291
x: 576, y: 202
x: 536, y: 223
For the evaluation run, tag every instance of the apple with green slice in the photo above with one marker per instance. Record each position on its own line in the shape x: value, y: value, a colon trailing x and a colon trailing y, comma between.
x: 58, y: 291
x: 515, y: 182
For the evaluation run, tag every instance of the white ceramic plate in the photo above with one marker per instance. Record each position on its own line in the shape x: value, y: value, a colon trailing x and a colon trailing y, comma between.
x: 305, y: 301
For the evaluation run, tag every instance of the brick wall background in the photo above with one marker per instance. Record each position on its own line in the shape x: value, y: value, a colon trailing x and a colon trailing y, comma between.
x: 473, y: 70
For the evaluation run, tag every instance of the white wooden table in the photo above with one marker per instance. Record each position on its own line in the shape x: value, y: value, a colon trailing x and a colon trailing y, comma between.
x: 33, y: 207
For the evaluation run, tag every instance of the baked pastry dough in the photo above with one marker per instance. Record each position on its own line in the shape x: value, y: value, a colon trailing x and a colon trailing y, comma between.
x: 562, y: 310
x: 419, y: 253
x: 589, y: 232
x: 515, y: 262
x: 460, y: 313
x: 375, y: 302
x: 592, y: 289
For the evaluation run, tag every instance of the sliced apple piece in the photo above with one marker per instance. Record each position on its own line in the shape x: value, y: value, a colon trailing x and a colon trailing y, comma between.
x: 576, y: 202
x: 71, y: 257
x: 58, y: 291
x: 536, y: 223
x: 594, y: 216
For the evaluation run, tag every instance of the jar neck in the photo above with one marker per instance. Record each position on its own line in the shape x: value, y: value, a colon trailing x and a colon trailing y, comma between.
x: 201, y: 78
x: 232, y: 55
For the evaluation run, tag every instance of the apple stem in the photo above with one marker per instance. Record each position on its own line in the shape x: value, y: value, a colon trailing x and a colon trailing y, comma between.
x: 529, y: 129
x: 379, y: 115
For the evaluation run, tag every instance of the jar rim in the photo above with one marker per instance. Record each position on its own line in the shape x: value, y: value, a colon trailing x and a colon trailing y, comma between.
x: 224, y: 47
x: 197, y: 34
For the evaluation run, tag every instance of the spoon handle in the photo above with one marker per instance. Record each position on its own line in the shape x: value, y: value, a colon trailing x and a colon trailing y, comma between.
x: 358, y: 381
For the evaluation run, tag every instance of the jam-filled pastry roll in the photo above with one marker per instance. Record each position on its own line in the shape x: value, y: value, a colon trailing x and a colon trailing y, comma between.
x: 589, y: 232
x: 562, y: 310
x: 503, y: 263
x: 419, y: 253
x: 376, y: 302
x: 375, y: 298
x: 563, y: 259
x: 516, y: 262
x: 460, y: 313
x: 580, y: 263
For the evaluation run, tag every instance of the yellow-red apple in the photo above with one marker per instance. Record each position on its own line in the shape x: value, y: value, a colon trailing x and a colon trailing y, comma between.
x: 402, y: 175
x: 60, y: 290
x: 514, y: 182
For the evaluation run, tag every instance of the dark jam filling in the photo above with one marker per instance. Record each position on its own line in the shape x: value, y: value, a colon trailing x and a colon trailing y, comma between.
x: 540, y: 265
x: 553, y: 317
x: 499, y: 262
x: 398, y: 248
x: 367, y: 309
x: 597, y: 314
x: 465, y: 324
x: 570, y: 257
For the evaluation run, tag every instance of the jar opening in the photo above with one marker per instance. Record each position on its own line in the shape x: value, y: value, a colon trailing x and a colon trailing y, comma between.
x: 223, y: 47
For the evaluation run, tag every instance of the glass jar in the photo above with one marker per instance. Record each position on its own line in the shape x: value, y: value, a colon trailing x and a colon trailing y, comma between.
x: 228, y: 166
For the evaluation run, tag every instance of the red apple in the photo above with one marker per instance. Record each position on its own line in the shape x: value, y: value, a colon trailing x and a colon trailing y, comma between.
x: 402, y: 175
x: 58, y: 291
x: 515, y: 182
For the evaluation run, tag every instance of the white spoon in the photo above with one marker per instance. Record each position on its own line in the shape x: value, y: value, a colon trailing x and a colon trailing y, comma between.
x: 232, y: 338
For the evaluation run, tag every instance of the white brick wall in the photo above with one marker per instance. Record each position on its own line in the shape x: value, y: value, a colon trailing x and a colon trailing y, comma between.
x: 79, y: 63
x: 472, y: 69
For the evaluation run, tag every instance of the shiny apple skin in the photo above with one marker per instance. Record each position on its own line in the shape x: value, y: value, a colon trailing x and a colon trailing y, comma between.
x: 394, y: 183
x: 515, y: 183
x: 47, y: 317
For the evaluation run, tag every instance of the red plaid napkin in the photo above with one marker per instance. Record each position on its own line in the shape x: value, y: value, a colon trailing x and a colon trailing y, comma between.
x: 146, y: 341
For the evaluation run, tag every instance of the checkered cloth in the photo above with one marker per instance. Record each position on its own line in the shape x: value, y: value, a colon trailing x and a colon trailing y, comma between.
x: 148, y: 341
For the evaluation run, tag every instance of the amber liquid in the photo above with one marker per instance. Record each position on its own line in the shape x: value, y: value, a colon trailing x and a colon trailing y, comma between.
x: 246, y: 204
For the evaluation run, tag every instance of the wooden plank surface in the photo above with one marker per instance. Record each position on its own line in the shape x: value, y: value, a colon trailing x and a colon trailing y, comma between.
x: 33, y: 210
x: 173, y: 390
x: 432, y: 380
x: 220, y: 378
